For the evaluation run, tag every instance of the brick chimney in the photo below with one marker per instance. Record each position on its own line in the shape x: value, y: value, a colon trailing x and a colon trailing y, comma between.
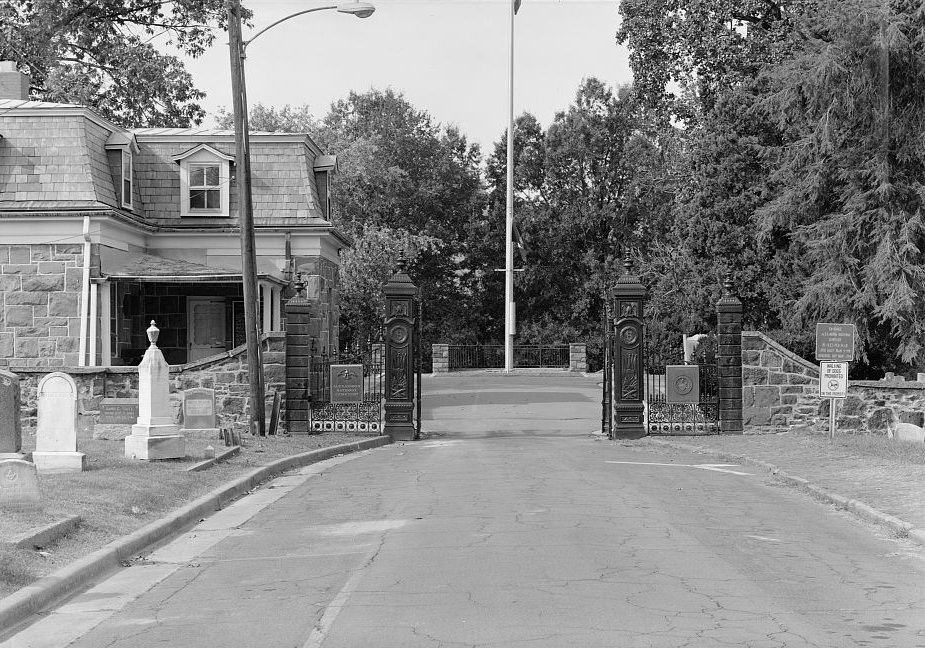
x: 13, y: 83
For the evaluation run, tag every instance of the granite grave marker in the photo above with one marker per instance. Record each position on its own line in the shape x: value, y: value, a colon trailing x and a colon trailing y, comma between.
x: 10, y: 417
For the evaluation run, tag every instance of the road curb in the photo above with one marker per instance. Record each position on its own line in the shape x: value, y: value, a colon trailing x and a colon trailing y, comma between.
x: 862, y: 510
x: 19, y: 605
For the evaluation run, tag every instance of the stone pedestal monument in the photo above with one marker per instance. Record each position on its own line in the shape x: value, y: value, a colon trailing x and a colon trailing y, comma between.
x: 155, y: 435
x: 56, y: 429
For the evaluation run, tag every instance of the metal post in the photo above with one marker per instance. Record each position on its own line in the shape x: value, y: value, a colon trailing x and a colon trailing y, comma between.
x: 419, y: 360
x: 509, y: 220
x: 246, y: 219
x: 832, y: 418
x: 605, y: 373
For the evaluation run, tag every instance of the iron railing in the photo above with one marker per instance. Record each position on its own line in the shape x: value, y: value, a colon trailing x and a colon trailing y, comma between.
x: 325, y: 416
x: 681, y: 418
x: 491, y: 356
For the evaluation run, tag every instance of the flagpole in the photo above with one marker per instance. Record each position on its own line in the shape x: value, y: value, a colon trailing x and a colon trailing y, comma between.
x: 509, y: 221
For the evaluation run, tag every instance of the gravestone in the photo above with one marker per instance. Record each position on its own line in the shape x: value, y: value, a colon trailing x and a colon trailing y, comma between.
x: 199, y: 412
x: 56, y: 428
x: 10, y: 417
x: 154, y: 435
x: 117, y: 416
x: 19, y: 487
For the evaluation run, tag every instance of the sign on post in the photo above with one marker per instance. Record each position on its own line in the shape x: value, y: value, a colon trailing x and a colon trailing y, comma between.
x: 347, y: 383
x: 833, y: 379
x: 834, y: 350
x: 834, y: 342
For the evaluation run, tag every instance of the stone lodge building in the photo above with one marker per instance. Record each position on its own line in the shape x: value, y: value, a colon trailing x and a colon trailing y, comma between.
x: 103, y: 229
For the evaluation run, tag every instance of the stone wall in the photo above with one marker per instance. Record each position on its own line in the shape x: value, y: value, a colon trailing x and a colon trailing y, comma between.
x: 781, y: 389
x: 777, y: 384
x: 40, y: 287
x: 226, y: 374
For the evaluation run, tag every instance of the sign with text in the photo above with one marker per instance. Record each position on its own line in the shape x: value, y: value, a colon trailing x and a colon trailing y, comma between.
x: 347, y: 383
x: 834, y: 342
x: 833, y: 379
x: 119, y: 410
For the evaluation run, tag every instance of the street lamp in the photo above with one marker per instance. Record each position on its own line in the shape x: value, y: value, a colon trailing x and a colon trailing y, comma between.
x: 237, y: 47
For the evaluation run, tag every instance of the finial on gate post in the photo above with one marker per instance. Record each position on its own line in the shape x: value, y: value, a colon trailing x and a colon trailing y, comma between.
x: 727, y: 284
x: 299, y: 284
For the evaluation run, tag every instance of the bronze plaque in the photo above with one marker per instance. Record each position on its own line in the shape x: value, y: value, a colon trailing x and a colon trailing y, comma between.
x: 682, y: 384
x: 347, y: 383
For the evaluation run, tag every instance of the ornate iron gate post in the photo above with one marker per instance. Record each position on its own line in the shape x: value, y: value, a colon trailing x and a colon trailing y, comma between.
x: 729, y: 359
x: 628, y: 361
x: 400, y: 294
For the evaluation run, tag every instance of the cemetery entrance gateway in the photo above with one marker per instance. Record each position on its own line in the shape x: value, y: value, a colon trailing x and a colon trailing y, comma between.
x: 651, y: 386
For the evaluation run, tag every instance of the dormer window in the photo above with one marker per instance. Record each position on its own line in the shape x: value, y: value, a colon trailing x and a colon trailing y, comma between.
x: 127, y: 178
x: 205, y: 189
x: 205, y: 182
x: 121, y: 148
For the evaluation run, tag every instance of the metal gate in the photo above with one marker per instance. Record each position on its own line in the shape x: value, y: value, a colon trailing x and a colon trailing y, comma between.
x: 363, y: 417
x: 663, y: 417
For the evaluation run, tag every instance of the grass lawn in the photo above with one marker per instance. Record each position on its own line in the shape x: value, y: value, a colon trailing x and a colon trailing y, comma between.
x: 115, y: 496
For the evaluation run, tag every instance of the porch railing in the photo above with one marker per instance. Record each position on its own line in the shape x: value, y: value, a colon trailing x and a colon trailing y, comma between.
x: 491, y: 356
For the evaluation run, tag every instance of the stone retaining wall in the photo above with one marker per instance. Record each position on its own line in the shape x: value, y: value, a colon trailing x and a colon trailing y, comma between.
x: 781, y: 389
x: 226, y: 373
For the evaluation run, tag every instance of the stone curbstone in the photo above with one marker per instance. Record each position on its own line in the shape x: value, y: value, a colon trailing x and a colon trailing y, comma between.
x: 856, y: 507
x: 221, y: 456
x: 27, y: 601
x: 45, y: 535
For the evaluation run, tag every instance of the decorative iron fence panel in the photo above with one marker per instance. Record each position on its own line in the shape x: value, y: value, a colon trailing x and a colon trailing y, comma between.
x: 491, y: 356
x: 681, y: 418
x: 364, y: 417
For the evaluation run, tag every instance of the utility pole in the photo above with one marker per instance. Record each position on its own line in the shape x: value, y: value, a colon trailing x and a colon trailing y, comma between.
x: 509, y: 314
x: 246, y: 219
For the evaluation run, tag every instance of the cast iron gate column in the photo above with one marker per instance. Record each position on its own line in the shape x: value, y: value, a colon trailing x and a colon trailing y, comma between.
x: 628, y: 361
x: 400, y: 294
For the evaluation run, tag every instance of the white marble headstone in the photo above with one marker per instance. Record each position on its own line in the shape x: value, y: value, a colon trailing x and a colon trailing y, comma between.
x: 56, y: 429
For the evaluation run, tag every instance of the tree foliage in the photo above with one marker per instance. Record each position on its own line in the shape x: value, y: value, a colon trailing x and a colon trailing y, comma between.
x: 803, y: 140
x: 405, y: 181
x: 100, y: 53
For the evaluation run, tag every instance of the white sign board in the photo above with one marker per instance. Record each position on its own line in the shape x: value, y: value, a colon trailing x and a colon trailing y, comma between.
x: 833, y: 379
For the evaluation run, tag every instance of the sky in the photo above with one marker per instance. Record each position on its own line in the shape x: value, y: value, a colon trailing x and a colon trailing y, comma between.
x: 448, y: 57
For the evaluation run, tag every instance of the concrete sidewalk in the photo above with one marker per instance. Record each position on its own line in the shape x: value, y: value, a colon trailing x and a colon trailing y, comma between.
x: 886, y: 491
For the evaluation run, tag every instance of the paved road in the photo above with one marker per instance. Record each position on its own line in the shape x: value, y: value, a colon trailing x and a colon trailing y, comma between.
x: 511, y: 526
